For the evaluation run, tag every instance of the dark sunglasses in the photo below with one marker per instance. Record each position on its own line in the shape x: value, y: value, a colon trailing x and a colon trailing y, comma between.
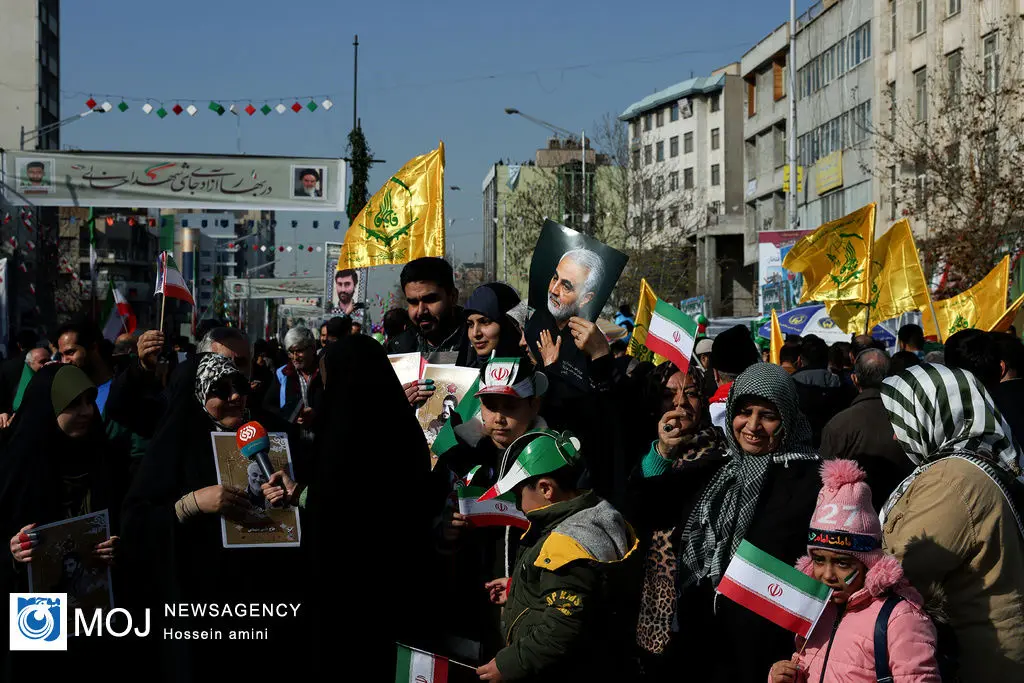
x: 225, y: 388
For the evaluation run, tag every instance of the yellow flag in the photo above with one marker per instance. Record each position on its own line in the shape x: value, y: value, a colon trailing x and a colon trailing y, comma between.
x: 898, y: 284
x: 644, y: 309
x: 834, y: 258
x: 1003, y: 324
x: 404, y: 220
x: 775, y: 350
x: 981, y: 306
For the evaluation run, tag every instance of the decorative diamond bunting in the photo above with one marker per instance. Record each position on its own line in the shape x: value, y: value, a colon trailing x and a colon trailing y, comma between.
x: 266, y: 109
x: 263, y: 248
x: 319, y: 249
x: 280, y: 248
x: 218, y: 108
x: 326, y: 104
x: 146, y: 108
x: 191, y: 109
x: 123, y: 106
x: 177, y: 109
x: 280, y: 109
x: 311, y: 105
x: 288, y: 248
x: 161, y: 112
x: 91, y: 103
x: 250, y: 110
x: 309, y: 249
x: 296, y: 107
x: 106, y: 106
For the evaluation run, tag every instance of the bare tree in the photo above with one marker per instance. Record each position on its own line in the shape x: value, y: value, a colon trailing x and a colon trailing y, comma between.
x: 951, y: 155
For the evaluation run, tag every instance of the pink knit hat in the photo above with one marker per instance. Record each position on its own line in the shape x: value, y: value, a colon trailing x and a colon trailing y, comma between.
x: 844, y: 520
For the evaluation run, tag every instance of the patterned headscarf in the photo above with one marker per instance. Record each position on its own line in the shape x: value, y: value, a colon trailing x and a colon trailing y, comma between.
x: 722, y: 516
x: 212, y: 368
x: 938, y: 412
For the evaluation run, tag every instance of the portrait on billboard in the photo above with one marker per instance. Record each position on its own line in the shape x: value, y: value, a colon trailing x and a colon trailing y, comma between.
x: 35, y: 176
x: 309, y: 182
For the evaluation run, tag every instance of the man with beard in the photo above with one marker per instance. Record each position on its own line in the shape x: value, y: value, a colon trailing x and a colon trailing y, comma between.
x: 437, y: 328
x: 309, y: 184
x: 549, y: 334
x: 345, y: 283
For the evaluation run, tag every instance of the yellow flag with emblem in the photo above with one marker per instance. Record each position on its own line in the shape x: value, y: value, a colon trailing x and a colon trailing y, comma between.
x: 898, y: 284
x: 1004, y: 323
x: 644, y: 311
x: 403, y: 221
x: 982, y: 306
x: 834, y: 259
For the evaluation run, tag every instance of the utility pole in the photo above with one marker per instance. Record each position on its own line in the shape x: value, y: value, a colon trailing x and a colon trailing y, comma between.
x: 791, y: 125
x: 355, y: 81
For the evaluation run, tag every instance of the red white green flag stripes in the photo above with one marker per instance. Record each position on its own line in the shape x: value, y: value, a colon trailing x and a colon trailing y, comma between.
x: 415, y: 666
x: 169, y: 281
x: 118, y: 316
x: 500, y: 511
x: 773, y: 589
x: 671, y: 334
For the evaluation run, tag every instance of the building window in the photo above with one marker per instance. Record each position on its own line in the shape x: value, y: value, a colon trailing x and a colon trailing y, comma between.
x: 659, y: 187
x: 659, y: 119
x: 659, y: 220
x: 920, y: 16
x: 687, y: 178
x: 921, y: 188
x: 648, y: 189
x: 648, y: 154
x: 892, y: 193
x: 921, y: 94
x: 893, y: 34
x: 660, y: 155
x: 687, y: 143
x: 673, y: 181
x: 673, y: 146
x: 647, y: 122
x: 860, y: 45
x: 751, y: 99
x: 634, y: 128
x: 892, y: 109
x: 716, y: 175
x: 673, y: 217
x: 833, y: 206
x: 716, y: 138
x: 715, y: 104
x: 953, y: 60
x: 673, y: 112
x: 952, y: 7
x: 991, y: 56
x: 636, y: 158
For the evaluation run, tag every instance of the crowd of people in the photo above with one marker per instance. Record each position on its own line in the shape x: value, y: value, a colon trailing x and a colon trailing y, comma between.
x: 895, y: 479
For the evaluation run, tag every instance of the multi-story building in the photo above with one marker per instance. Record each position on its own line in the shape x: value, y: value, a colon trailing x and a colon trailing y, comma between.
x: 29, y: 73
x: 686, y: 180
x: 836, y: 103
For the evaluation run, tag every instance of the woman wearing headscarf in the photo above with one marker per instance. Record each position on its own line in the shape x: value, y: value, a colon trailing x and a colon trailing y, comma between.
x: 490, y: 328
x: 955, y: 522
x: 172, y: 519
x: 763, y: 492
x: 54, y: 468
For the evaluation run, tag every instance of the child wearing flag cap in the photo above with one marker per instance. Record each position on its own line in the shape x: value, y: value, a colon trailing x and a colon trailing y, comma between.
x: 557, y: 603
x: 845, y: 553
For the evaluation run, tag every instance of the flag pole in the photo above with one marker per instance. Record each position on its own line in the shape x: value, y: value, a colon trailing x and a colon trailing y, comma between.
x: 935, y: 318
x: 163, y: 307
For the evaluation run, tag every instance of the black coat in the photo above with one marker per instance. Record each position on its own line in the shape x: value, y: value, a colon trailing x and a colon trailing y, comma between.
x: 1009, y: 399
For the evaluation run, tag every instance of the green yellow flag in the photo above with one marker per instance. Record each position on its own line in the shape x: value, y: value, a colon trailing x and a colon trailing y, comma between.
x: 982, y: 306
x: 403, y: 221
x: 834, y: 258
x: 898, y: 284
x: 644, y: 310
x: 1005, y: 322
x: 775, y: 349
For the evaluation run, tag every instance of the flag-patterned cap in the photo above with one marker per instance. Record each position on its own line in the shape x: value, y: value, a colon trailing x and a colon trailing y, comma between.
x: 511, y: 377
x: 538, y: 452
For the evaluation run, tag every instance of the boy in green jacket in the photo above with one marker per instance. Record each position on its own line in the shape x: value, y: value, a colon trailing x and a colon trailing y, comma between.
x: 556, y: 603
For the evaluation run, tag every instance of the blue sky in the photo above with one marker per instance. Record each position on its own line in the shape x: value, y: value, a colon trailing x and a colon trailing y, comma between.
x: 428, y: 71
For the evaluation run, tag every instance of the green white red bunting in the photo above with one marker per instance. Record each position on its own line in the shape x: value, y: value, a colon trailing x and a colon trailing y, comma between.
x: 500, y: 511
x: 415, y: 666
x: 671, y: 334
x: 773, y: 589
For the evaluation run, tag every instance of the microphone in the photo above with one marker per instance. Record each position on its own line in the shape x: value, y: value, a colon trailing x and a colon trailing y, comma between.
x: 252, y: 440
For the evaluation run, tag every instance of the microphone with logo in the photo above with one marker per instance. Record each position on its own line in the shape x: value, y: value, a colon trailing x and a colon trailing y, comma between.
x: 252, y: 440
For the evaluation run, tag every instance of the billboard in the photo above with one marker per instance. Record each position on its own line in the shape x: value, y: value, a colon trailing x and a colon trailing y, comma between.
x: 778, y: 287
x: 174, y: 181
x: 273, y: 288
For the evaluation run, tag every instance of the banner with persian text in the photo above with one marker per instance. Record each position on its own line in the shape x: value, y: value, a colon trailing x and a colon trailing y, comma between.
x: 173, y: 181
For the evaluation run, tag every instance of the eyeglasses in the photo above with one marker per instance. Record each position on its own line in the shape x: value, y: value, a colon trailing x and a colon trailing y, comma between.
x: 298, y: 352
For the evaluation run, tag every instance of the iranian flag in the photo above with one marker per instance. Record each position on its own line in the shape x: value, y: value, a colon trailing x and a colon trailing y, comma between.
x: 169, y: 281
x: 416, y: 666
x: 773, y: 589
x: 500, y: 511
x: 118, y: 316
x: 671, y: 334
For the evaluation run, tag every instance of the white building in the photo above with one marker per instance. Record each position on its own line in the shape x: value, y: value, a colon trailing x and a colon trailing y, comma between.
x: 29, y: 73
x: 686, y: 170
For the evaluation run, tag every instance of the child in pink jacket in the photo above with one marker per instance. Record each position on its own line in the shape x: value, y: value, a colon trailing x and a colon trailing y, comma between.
x: 844, y: 552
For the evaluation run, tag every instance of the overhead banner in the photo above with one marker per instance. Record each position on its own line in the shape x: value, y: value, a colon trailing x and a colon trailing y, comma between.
x: 273, y: 288
x: 174, y: 181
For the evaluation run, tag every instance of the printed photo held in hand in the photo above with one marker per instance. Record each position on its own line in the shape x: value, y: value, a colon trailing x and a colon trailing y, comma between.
x: 67, y: 561
x: 451, y: 384
x: 269, y: 526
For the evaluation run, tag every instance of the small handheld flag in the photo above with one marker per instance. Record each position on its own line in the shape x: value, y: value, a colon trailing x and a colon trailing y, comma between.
x: 169, y: 281
x: 500, y: 511
x: 773, y: 589
x: 672, y: 334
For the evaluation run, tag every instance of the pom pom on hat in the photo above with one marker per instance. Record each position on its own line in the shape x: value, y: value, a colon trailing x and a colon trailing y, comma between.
x: 837, y: 473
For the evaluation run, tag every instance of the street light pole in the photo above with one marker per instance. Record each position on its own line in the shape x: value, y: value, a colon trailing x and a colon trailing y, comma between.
x: 43, y: 130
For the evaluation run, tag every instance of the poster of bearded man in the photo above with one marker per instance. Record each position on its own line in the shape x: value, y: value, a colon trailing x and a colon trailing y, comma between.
x: 571, y: 275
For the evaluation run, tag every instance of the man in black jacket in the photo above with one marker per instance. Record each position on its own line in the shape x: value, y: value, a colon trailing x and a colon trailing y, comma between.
x: 438, y: 327
x: 822, y: 394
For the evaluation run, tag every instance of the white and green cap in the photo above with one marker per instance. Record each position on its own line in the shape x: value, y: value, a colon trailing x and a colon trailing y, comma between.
x: 511, y: 377
x: 541, y: 451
